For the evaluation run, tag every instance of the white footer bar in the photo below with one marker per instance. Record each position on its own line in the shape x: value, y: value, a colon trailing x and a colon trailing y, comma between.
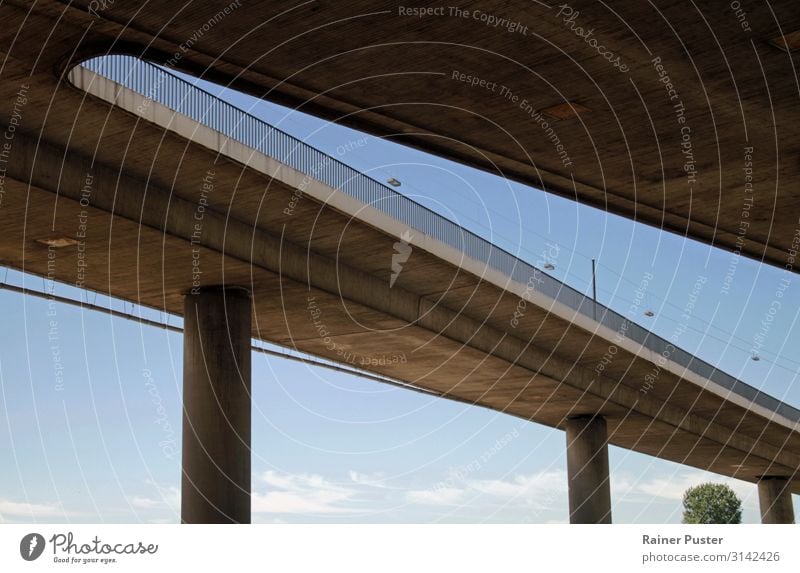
x: 399, y: 548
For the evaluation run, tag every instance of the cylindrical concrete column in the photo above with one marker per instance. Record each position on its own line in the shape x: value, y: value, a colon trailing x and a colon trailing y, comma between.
x: 216, y: 406
x: 587, y: 470
x: 775, y: 499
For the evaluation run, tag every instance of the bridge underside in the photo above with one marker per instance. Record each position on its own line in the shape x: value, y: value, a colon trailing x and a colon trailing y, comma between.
x: 439, y: 328
x: 626, y: 152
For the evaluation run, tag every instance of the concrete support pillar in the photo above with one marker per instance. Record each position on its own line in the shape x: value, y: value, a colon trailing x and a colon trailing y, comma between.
x: 587, y: 470
x: 216, y: 406
x: 775, y: 499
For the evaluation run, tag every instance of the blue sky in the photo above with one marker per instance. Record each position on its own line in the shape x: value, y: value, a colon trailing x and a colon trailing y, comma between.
x: 330, y: 447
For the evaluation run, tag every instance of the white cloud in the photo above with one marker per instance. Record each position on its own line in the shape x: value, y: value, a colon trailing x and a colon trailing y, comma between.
x: 673, y: 487
x: 299, y: 503
x: 437, y: 495
x: 141, y: 502
x: 24, y: 509
x: 531, y: 487
x: 301, y: 494
x: 540, y: 489
x: 371, y: 480
x: 546, y: 491
x: 166, y: 497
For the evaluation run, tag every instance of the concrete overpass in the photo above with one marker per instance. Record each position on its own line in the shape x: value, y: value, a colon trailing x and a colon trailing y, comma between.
x: 644, y: 109
x: 212, y: 214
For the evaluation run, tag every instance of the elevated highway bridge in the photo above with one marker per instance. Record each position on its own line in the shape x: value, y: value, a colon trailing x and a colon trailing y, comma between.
x: 146, y: 188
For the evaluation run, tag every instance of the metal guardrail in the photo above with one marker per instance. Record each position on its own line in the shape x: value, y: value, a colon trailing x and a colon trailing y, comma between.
x: 160, y: 85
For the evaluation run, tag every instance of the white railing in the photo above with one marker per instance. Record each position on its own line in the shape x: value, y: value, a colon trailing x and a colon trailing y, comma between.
x: 162, y: 86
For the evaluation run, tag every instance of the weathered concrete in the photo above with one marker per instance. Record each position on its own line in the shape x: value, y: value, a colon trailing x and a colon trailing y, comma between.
x: 451, y: 118
x: 775, y: 500
x: 454, y: 320
x: 587, y: 469
x: 533, y: 371
x: 217, y: 406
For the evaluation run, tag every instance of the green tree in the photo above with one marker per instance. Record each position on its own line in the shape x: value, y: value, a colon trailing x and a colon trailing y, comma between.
x: 711, y: 503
